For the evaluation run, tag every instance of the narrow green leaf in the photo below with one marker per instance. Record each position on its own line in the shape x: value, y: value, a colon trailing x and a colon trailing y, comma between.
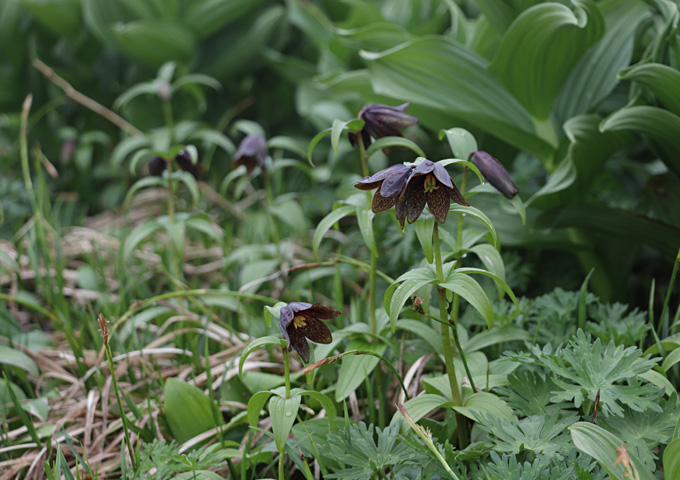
x: 582, y: 303
x: 155, y: 41
x: 671, y: 460
x: 400, y: 296
x: 355, y: 368
x: 387, y: 142
x: 492, y: 260
x: 500, y: 282
x: 283, y: 412
x: 601, y: 445
x: 188, y: 179
x: 137, y: 235
x: 255, y: 405
x: 202, y: 223
x: 327, y: 222
x: 495, y: 336
x: 188, y: 410
x: 478, y: 214
x: 420, y: 406
x: 424, y: 231
x: 326, y: 403
x: 365, y: 220
x: 269, y: 340
x: 472, y: 292
x: 563, y: 176
x: 145, y: 182
x: 480, y: 404
x: 248, y: 127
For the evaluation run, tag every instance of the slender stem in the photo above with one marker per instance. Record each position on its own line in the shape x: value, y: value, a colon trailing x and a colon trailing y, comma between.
x: 123, y: 415
x: 286, y: 370
x: 446, y: 344
x: 282, y: 472
x: 374, y: 257
x: 270, y: 204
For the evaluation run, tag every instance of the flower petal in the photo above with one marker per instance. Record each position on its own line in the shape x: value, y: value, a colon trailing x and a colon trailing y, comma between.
x: 456, y: 196
x: 321, y: 311
x: 396, y: 182
x: 382, y: 174
x: 285, y: 317
x: 400, y: 210
x: 415, y: 199
x: 425, y: 167
x: 380, y: 203
x: 317, y: 331
x: 442, y: 175
x: 438, y: 202
x: 299, y: 342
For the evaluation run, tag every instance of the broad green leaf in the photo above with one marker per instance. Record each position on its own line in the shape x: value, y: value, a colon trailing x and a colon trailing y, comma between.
x: 670, y: 360
x: 495, y: 336
x: 420, y: 406
x: 327, y: 222
x: 652, y: 376
x: 594, y: 75
x: 145, y: 182
x: 499, y: 13
x: 249, y: 127
x: 365, y: 220
x: 17, y: 358
x: 355, y: 368
x: 188, y: 410
x: 424, y: 226
x: 207, y: 17
x: 387, y: 142
x: 212, y: 137
x: 282, y: 412
x: 424, y: 331
x: 175, y: 231
x: 601, y: 445
x: 6, y: 398
x: 660, y: 125
x: 492, y: 260
x: 188, y: 179
x: 461, y: 142
x: 540, y: 48
x: 472, y: 292
x: 480, y: 404
x: 145, y: 88
x: 202, y: 223
x: 269, y: 340
x: 662, y: 80
x: 290, y: 212
x: 374, y: 36
x: 137, y: 235
x: 61, y: 16
x: 155, y: 41
x: 288, y: 143
x: 426, y: 71
x: 619, y: 223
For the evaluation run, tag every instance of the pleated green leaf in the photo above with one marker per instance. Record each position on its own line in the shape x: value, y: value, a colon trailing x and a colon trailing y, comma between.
x: 156, y: 41
x: 187, y: 409
x: 662, y: 80
x: 594, y: 75
x: 660, y: 125
x: 541, y: 47
x: 441, y: 74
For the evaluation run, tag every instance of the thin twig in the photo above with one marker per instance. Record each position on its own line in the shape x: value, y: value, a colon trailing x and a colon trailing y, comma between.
x: 86, y: 101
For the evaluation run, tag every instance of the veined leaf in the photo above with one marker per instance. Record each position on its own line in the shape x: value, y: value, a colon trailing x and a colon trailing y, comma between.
x: 472, y: 292
x: 425, y: 71
x: 187, y: 410
x: 282, y: 412
x: 355, y: 368
x: 327, y: 222
x: 541, y: 47
x: 662, y: 80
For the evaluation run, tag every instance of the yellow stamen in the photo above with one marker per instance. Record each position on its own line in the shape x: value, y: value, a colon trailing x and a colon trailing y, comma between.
x: 430, y: 183
x: 299, y: 321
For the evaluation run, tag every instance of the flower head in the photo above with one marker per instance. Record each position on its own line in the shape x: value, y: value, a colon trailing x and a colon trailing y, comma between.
x: 299, y: 322
x: 382, y: 121
x: 495, y: 173
x: 409, y: 188
x: 252, y: 153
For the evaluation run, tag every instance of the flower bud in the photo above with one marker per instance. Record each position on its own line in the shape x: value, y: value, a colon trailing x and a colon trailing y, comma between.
x: 495, y: 173
x: 184, y: 162
x: 157, y: 166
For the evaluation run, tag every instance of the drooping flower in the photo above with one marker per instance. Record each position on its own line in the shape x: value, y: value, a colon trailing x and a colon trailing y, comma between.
x: 300, y: 322
x: 252, y: 152
x: 495, y: 173
x: 409, y: 188
x: 158, y: 164
x: 382, y: 121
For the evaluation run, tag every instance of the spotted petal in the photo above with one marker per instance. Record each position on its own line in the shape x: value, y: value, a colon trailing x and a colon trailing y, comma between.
x: 317, y: 331
x: 415, y: 199
x: 396, y: 182
x: 323, y: 312
x: 438, y: 202
x: 442, y: 175
x: 299, y: 342
x: 456, y: 196
x: 381, y: 204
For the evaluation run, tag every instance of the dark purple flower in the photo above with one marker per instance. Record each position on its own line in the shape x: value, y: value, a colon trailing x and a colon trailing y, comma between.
x: 382, y: 121
x: 409, y: 188
x: 495, y: 173
x: 252, y: 153
x: 157, y: 166
x: 183, y: 160
x: 299, y: 322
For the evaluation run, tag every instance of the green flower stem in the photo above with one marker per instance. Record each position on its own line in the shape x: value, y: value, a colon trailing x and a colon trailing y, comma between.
x: 374, y: 258
x: 282, y: 473
x: 286, y: 370
x: 446, y: 343
x: 270, y: 204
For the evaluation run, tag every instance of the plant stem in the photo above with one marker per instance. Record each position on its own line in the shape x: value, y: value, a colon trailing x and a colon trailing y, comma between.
x: 374, y: 257
x: 286, y: 370
x: 282, y: 472
x: 123, y: 416
x: 446, y: 343
x: 270, y: 204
